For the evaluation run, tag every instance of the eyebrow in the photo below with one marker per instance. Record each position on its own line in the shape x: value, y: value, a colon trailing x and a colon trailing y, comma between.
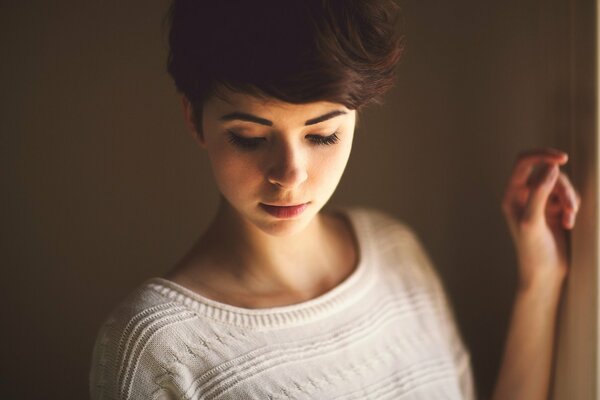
x: 262, y: 121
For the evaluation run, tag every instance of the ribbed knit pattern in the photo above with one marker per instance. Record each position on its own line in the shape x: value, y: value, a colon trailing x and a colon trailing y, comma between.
x: 386, y: 332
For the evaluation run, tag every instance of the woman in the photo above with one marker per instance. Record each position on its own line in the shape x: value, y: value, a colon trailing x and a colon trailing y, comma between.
x: 281, y: 300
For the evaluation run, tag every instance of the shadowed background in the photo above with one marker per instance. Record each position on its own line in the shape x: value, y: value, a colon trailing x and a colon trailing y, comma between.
x: 103, y: 187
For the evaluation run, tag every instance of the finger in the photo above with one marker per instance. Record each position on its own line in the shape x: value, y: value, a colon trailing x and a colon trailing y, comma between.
x: 538, y: 197
x: 544, y: 150
x: 514, y: 202
x: 569, y: 200
x: 526, y: 162
x: 555, y: 204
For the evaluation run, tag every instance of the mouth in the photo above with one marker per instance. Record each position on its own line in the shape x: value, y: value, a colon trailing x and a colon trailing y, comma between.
x: 284, y: 211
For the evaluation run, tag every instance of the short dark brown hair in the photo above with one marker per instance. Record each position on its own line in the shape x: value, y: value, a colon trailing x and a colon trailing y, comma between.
x: 297, y: 51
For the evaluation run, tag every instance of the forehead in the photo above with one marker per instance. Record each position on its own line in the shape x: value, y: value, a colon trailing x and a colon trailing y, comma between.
x: 226, y: 101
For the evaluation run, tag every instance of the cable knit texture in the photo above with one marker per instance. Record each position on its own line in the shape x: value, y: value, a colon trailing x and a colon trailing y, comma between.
x: 385, y: 332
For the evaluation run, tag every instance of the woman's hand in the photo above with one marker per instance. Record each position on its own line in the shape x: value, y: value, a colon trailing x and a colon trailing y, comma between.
x: 540, y: 206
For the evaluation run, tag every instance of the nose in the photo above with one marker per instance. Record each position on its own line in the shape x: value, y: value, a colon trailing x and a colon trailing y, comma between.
x: 288, y: 166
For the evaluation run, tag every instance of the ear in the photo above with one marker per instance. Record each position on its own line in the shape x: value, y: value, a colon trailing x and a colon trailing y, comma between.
x: 190, y: 121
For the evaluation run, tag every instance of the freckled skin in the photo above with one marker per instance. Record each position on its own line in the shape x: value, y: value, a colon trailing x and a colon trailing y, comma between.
x: 248, y: 257
x: 286, y: 167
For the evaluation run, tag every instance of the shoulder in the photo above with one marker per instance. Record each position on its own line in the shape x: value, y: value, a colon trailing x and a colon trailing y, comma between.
x: 385, y: 230
x: 408, y: 269
x: 126, y: 350
x: 376, y: 221
x: 396, y: 246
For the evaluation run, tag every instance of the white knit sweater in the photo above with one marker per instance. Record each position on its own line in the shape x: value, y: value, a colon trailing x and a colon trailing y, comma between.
x: 386, y: 332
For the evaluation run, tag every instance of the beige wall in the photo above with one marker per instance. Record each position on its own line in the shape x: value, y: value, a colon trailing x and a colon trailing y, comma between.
x: 103, y: 188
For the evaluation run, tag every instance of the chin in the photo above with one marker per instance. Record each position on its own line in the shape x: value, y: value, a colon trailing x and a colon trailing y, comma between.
x: 288, y: 228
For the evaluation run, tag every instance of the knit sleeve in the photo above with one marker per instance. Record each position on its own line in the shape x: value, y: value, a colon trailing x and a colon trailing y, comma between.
x: 114, y: 376
x: 101, y: 367
x: 432, y: 280
x: 129, y: 359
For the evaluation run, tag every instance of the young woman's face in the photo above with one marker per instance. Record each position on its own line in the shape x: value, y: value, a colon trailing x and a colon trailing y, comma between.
x: 267, y: 152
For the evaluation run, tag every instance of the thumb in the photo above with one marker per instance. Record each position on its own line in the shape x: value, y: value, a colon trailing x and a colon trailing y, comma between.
x: 538, y: 198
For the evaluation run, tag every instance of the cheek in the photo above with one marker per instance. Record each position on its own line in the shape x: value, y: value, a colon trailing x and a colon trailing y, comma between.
x: 327, y: 168
x: 233, y: 172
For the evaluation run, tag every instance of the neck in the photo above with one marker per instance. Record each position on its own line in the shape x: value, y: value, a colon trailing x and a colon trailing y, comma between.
x: 264, y: 263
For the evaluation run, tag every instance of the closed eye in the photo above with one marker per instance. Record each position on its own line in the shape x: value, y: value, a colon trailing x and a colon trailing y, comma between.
x: 253, y: 143
x: 325, y: 140
x: 244, y: 143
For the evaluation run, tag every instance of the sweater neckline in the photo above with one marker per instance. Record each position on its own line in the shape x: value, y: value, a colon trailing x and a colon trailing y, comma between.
x: 344, y: 294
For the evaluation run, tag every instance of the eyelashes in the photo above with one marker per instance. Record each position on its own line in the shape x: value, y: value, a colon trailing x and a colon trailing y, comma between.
x: 253, y: 143
x: 327, y: 140
x: 244, y: 143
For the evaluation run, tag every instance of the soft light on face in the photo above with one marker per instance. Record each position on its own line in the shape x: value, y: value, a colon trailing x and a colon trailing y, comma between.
x: 271, y: 152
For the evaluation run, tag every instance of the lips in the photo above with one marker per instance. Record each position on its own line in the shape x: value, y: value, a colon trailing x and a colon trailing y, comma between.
x: 283, y: 205
x: 287, y: 211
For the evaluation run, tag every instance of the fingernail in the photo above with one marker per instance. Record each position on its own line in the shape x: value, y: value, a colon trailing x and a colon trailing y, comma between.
x: 571, y: 220
x: 567, y: 221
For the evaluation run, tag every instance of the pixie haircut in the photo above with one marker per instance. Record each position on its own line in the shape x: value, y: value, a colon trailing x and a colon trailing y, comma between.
x: 297, y: 51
